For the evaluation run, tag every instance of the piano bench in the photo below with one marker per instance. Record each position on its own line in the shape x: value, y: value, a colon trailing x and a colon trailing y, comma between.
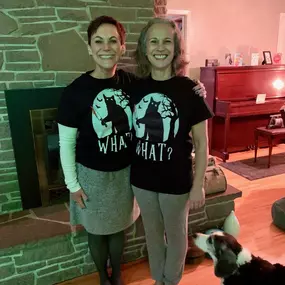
x: 270, y: 134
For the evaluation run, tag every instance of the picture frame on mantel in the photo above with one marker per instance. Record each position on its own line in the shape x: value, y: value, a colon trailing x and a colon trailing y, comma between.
x: 267, y: 58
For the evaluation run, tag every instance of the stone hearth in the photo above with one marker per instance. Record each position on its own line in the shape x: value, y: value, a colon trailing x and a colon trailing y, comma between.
x: 40, y: 247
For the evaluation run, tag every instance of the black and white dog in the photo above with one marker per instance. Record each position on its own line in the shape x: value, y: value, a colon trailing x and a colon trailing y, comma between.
x: 235, y: 265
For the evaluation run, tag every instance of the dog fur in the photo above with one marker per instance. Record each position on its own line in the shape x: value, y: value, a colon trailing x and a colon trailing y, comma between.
x: 235, y: 265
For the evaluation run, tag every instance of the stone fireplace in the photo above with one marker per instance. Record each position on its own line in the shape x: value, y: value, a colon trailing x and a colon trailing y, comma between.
x: 43, y: 45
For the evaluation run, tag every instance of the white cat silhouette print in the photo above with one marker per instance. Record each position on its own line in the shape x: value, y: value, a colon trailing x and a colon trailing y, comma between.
x: 156, y: 123
x: 111, y: 113
x: 112, y: 120
x: 155, y: 118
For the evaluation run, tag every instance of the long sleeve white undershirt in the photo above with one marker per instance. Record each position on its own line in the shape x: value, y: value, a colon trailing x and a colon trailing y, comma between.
x: 67, y: 143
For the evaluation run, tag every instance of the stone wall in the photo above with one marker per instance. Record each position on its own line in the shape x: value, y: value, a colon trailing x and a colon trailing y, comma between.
x: 45, y: 261
x: 43, y: 44
x: 49, y: 261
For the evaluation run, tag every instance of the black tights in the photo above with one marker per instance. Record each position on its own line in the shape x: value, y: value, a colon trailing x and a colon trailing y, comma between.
x: 104, y: 246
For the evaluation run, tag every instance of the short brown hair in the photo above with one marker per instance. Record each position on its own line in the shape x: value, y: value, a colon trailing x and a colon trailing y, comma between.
x: 179, y: 62
x: 96, y: 23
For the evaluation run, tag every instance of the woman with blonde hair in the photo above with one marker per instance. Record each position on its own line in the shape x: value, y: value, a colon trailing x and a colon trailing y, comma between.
x: 165, y: 112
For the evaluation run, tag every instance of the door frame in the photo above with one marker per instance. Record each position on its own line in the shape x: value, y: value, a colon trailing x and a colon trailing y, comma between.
x: 281, y: 35
x: 185, y: 15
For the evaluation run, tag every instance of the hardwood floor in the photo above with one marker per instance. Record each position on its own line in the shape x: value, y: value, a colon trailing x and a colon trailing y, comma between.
x: 257, y: 232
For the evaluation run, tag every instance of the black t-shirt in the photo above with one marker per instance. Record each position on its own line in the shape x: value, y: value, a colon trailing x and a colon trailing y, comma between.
x: 100, y: 109
x: 163, y: 115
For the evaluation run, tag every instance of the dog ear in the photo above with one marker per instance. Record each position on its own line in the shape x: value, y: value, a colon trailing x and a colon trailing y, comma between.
x: 226, y: 264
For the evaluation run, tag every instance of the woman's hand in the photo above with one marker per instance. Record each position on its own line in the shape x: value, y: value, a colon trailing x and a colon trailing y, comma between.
x: 197, y: 198
x: 79, y: 197
x: 200, y: 89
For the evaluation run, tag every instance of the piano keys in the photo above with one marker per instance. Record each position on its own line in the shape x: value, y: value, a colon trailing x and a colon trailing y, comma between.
x: 231, y: 93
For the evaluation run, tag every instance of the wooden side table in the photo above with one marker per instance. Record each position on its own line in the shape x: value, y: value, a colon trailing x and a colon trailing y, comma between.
x: 270, y: 134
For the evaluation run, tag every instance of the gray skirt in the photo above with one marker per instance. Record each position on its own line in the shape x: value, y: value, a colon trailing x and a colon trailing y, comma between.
x: 110, y: 207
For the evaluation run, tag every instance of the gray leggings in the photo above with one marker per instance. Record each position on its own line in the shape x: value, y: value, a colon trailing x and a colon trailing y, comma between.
x: 165, y: 219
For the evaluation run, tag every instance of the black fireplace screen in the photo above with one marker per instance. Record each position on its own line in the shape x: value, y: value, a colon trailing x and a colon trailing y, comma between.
x: 46, y: 146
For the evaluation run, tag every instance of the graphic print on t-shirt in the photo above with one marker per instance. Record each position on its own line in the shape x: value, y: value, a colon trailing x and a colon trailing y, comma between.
x: 155, y: 120
x: 111, y: 115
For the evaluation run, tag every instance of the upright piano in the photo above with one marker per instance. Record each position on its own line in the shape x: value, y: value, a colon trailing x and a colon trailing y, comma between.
x: 232, y: 93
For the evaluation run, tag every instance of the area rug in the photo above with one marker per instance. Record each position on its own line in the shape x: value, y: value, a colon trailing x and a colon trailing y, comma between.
x: 255, y: 170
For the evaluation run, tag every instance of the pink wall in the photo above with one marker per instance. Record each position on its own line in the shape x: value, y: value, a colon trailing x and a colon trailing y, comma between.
x: 221, y: 26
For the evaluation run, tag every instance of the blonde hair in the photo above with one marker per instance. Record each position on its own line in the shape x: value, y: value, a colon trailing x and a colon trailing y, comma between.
x: 178, y: 63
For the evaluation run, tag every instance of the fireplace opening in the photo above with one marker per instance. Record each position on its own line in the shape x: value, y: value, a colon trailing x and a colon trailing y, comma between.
x: 32, y: 118
x: 46, y: 146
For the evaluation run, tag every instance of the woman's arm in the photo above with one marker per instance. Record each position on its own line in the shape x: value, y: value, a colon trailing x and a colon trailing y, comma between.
x: 67, y: 142
x: 197, y: 193
x: 200, y: 137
